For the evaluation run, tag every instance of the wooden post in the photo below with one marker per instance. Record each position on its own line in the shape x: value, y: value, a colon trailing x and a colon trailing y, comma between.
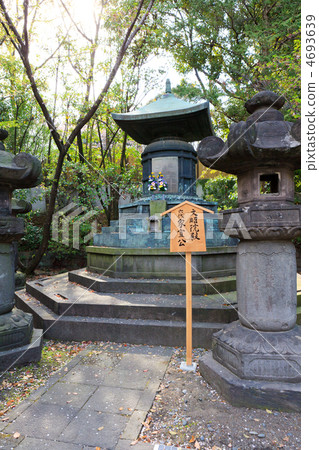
x: 187, y: 236
x: 188, y: 308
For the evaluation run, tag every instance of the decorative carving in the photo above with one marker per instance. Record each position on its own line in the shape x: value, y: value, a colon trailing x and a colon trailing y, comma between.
x: 249, y: 341
x: 15, y: 329
x: 260, y: 222
x: 262, y: 233
x: 254, y: 355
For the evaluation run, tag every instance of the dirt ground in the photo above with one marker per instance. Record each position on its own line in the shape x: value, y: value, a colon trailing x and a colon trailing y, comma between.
x: 188, y: 413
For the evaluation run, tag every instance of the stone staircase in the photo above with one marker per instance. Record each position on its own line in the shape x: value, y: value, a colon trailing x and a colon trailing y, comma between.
x: 82, y: 305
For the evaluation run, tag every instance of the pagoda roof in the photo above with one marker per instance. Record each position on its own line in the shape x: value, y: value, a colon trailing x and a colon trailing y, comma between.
x: 168, y: 116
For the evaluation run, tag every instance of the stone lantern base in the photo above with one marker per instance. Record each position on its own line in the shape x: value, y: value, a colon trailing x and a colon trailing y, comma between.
x: 250, y: 393
x: 255, y: 369
x: 20, y: 343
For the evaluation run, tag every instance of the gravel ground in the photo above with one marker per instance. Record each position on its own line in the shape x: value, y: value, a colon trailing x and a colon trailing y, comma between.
x: 188, y: 413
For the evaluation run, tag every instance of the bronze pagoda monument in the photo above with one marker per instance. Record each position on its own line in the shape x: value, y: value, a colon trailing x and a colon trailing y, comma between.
x: 167, y: 127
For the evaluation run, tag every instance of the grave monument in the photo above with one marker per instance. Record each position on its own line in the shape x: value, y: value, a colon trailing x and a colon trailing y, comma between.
x: 166, y: 126
x: 19, y: 341
x: 255, y: 361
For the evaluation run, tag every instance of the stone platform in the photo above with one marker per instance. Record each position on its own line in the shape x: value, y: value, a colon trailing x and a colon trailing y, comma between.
x: 250, y: 393
x: 86, y: 306
x: 153, y: 263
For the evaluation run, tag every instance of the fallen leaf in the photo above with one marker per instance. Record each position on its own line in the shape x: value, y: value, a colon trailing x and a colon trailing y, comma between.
x: 173, y: 433
x: 196, y: 445
x: 246, y: 436
x: 192, y: 439
x: 268, y: 411
x: 100, y: 429
x: 286, y: 438
x: 121, y: 408
x: 257, y: 420
x: 97, y: 448
x: 16, y: 435
x: 216, y: 448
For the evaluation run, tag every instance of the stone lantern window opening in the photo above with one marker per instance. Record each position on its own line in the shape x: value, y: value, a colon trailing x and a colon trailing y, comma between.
x: 269, y: 183
x: 5, y: 201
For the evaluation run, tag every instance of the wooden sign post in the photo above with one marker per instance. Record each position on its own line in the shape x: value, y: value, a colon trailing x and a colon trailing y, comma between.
x: 187, y: 236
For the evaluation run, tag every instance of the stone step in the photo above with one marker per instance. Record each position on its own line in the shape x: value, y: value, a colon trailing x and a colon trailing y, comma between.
x: 64, y: 297
x: 110, y: 229
x: 102, y: 283
x: 134, y: 331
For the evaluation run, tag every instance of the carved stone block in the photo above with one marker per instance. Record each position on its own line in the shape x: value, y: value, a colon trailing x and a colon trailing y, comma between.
x: 15, y: 329
x: 253, y: 355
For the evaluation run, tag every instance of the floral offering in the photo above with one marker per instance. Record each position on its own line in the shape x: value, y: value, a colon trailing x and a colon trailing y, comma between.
x: 152, y: 183
x: 162, y: 185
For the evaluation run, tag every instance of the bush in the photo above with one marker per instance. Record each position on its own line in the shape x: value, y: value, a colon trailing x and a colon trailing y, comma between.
x: 223, y: 190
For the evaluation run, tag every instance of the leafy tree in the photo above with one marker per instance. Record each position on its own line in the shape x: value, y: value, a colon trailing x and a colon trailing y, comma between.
x: 234, y: 48
x: 122, y: 21
x: 222, y: 188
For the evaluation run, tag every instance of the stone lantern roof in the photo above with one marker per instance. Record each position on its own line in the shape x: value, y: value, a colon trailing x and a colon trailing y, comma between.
x: 265, y: 139
x: 18, y: 171
x: 168, y: 116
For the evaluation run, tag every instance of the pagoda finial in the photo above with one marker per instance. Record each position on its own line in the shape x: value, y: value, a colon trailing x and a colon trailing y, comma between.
x: 168, y: 87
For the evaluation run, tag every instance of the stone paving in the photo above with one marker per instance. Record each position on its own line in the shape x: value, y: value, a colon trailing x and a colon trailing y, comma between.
x: 100, y: 399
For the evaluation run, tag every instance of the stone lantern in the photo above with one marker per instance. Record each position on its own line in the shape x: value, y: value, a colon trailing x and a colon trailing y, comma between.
x: 19, y: 342
x: 255, y: 361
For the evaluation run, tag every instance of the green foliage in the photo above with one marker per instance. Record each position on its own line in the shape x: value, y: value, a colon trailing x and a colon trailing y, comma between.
x: 221, y: 189
x: 33, y: 233
x: 234, y: 48
x: 297, y: 181
x: 19, y: 113
x: 58, y: 251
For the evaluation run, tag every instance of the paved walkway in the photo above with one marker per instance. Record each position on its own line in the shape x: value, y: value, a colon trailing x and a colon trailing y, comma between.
x: 99, y: 400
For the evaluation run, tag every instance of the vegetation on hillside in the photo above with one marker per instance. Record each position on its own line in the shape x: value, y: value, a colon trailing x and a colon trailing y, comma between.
x: 64, y: 72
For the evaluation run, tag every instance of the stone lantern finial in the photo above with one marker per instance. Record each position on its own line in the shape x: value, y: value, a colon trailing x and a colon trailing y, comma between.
x: 168, y: 87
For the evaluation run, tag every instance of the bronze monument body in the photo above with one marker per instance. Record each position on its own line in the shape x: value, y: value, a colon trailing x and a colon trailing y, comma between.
x: 255, y: 361
x: 19, y: 342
